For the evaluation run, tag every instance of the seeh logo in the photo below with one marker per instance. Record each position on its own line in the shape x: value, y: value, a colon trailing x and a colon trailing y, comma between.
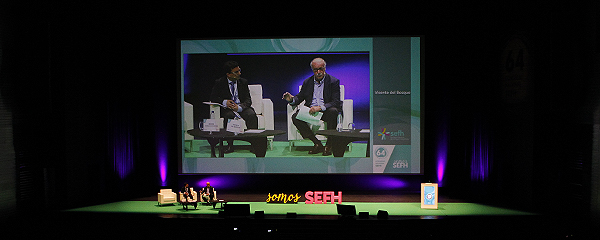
x: 322, y: 197
x: 385, y: 133
x: 400, y: 164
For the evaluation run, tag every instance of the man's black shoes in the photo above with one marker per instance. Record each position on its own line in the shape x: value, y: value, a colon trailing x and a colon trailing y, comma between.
x: 327, y: 151
x: 228, y: 149
x: 316, y: 149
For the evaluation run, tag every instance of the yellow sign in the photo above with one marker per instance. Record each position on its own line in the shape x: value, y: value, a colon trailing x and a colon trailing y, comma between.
x: 283, y: 198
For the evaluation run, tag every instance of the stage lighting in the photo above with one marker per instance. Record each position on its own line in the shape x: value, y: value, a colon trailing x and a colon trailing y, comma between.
x: 382, y: 214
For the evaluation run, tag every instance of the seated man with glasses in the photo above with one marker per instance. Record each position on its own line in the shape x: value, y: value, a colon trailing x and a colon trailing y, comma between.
x: 232, y: 91
x: 321, y: 93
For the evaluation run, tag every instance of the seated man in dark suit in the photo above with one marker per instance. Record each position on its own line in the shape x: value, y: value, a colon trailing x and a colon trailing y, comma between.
x: 208, y: 193
x: 187, y: 192
x: 232, y: 91
x: 188, y: 197
x: 321, y: 93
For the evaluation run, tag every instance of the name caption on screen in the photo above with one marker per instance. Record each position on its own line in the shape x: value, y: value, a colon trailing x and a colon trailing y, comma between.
x: 392, y: 92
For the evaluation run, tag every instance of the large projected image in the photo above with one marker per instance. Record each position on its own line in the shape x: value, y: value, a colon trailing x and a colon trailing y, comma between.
x: 235, y: 117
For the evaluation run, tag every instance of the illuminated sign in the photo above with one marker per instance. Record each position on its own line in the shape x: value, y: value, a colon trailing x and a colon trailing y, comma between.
x: 322, y: 197
x: 316, y: 197
x: 283, y: 198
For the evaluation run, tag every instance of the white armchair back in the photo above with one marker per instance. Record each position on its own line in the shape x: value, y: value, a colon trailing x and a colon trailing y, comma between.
x: 262, y: 106
x: 194, y: 195
x: 166, y: 196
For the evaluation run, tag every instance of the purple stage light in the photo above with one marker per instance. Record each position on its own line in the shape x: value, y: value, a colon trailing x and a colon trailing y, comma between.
x: 122, y: 144
x: 221, y: 181
x: 480, y: 156
x: 441, y: 167
x: 354, y: 75
x: 186, y: 81
x: 122, y: 155
x: 387, y: 182
x: 441, y: 155
x: 162, y: 161
x: 163, y: 172
x: 381, y: 183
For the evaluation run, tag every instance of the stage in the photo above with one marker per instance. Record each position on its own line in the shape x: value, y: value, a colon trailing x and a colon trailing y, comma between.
x: 144, y: 217
x: 314, y: 210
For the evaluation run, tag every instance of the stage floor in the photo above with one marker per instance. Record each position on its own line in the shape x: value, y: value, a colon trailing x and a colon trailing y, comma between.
x: 144, y: 218
x: 394, y: 209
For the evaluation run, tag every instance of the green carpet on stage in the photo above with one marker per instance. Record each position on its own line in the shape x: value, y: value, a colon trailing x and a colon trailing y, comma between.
x: 393, y: 209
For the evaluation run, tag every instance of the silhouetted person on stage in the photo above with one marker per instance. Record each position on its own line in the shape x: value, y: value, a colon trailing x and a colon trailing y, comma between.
x: 208, y: 193
x: 187, y: 192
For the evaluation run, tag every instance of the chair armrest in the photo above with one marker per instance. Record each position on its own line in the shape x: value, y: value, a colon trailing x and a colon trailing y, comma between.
x: 268, y: 114
x: 348, y: 115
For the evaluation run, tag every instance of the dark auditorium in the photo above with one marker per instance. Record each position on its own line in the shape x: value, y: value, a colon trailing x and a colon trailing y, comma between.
x: 300, y: 120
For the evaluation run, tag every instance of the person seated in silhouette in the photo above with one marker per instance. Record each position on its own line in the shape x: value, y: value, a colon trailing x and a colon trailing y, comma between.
x: 188, y: 197
x: 187, y: 193
x: 208, y: 193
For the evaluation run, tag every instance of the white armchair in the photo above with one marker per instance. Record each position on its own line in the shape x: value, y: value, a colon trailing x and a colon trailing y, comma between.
x: 347, y: 115
x: 194, y: 195
x: 166, y: 196
x: 263, y: 108
x: 188, y: 123
x: 185, y: 202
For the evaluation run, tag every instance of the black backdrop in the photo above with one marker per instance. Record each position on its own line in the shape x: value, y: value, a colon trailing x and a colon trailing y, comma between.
x: 76, y: 75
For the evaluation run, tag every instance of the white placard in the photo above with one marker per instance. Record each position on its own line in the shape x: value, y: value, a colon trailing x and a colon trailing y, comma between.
x: 235, y: 126
x: 211, y: 125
